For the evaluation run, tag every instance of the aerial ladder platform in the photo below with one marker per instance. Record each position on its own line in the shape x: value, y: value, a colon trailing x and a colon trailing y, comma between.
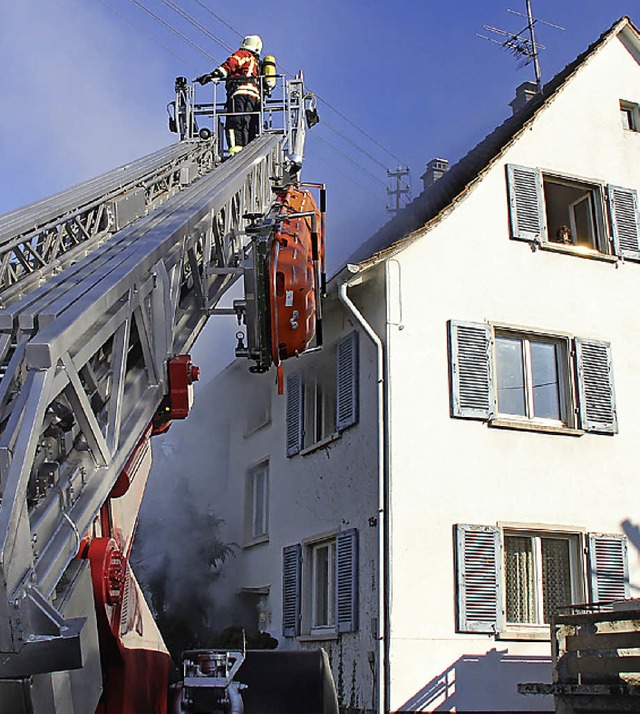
x: 104, y: 288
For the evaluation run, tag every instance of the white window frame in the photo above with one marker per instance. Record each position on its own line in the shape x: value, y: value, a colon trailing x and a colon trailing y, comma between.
x: 567, y: 394
x: 577, y: 567
x: 257, y: 524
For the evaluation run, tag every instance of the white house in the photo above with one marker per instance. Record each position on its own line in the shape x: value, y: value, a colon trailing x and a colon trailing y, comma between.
x: 461, y: 457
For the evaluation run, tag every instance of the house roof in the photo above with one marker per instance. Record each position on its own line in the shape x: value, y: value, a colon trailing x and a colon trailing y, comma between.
x: 437, y: 200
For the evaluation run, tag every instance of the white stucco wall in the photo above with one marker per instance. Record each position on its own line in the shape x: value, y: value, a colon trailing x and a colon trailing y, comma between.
x: 446, y: 471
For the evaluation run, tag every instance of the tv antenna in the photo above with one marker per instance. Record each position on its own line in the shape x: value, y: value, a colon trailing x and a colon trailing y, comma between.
x: 524, y: 46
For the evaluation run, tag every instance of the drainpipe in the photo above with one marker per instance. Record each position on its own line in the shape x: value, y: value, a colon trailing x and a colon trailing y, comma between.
x: 383, y: 533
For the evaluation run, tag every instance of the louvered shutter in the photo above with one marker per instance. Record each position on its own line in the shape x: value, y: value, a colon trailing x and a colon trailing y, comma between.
x: 595, y: 387
x: 347, y: 381
x: 623, y: 212
x: 479, y: 572
x: 471, y: 370
x: 347, y: 581
x: 526, y: 205
x: 295, y: 414
x: 291, y: 589
x: 608, y: 567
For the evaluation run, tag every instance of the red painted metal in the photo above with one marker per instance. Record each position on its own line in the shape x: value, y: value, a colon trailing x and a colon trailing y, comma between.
x: 177, y: 403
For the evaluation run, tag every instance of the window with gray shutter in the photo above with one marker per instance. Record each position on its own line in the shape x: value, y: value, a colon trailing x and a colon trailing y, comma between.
x: 623, y: 211
x: 595, y: 387
x: 291, y: 589
x: 347, y: 581
x: 347, y: 381
x: 479, y: 567
x: 525, y: 202
x: 295, y: 414
x: 471, y: 370
x: 609, y: 568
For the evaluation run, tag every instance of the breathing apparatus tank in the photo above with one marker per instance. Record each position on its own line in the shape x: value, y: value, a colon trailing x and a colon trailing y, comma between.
x: 269, y: 73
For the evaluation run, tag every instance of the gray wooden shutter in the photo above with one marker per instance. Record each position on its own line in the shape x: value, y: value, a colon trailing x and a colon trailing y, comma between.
x: 471, y: 370
x: 295, y: 413
x: 479, y: 572
x: 623, y: 212
x: 347, y: 381
x: 347, y: 581
x: 526, y: 204
x: 595, y: 386
x: 291, y: 589
x: 608, y: 567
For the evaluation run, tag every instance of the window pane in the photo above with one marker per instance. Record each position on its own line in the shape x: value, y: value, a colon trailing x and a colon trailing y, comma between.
x: 259, y: 503
x: 546, y: 383
x: 510, y: 372
x: 556, y: 575
x: 584, y: 222
x: 520, y: 581
x: 324, y: 595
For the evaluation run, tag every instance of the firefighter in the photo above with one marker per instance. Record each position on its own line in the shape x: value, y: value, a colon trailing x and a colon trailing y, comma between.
x: 241, y: 72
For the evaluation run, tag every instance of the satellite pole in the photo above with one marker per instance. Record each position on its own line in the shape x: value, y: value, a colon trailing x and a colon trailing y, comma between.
x: 523, y: 47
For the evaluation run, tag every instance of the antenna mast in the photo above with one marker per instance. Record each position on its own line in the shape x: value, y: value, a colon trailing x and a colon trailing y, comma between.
x: 534, y: 47
x: 519, y: 44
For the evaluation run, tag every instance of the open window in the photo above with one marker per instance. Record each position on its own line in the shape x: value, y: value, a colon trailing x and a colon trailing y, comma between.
x: 573, y: 215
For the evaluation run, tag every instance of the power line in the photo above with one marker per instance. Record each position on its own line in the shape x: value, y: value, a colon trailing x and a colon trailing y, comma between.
x: 197, y: 24
x: 359, y: 148
x: 117, y: 12
x: 173, y: 29
x: 211, y: 12
x: 353, y: 161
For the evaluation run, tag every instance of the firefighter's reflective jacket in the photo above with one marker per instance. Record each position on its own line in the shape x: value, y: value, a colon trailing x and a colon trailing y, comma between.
x: 241, y: 71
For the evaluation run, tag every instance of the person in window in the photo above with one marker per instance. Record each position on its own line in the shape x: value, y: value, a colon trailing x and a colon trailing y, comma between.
x: 563, y: 235
x: 241, y: 72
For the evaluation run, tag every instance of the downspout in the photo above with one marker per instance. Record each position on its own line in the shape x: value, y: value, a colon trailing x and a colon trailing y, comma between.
x: 383, y: 533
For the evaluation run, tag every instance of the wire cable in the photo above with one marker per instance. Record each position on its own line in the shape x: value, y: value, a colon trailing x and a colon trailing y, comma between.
x: 197, y: 24
x: 211, y: 12
x: 353, y: 161
x: 173, y: 29
x: 117, y: 12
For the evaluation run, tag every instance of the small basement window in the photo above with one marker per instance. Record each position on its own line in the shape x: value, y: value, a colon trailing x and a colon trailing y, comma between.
x: 575, y: 213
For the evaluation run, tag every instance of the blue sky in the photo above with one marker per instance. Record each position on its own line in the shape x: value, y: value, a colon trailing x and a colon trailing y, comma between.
x: 85, y: 88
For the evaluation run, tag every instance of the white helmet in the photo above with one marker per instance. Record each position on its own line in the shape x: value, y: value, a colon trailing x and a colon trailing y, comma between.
x: 253, y: 43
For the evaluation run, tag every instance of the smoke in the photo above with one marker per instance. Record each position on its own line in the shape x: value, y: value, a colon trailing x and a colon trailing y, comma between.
x: 187, y: 539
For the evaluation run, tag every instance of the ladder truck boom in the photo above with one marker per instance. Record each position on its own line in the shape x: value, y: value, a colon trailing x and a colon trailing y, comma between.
x: 104, y: 289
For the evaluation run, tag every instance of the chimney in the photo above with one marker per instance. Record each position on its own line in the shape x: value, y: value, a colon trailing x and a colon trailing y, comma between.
x: 436, y: 169
x: 525, y: 92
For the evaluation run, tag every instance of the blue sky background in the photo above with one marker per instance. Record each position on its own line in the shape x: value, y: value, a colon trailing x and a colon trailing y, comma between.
x: 85, y: 88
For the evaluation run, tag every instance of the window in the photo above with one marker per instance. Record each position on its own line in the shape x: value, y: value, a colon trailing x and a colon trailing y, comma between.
x: 323, y: 399
x: 629, y: 115
x: 323, y: 568
x: 562, y: 212
x: 531, y: 377
x: 320, y: 586
x: 512, y: 580
x: 257, y: 503
x: 540, y: 575
x: 319, y: 402
x: 259, y: 408
x: 528, y: 379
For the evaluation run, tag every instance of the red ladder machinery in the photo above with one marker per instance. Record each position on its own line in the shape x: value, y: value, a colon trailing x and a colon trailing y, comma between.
x: 104, y: 289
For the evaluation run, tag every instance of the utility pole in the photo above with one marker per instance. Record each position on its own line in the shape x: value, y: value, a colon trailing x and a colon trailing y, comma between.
x: 401, y: 188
